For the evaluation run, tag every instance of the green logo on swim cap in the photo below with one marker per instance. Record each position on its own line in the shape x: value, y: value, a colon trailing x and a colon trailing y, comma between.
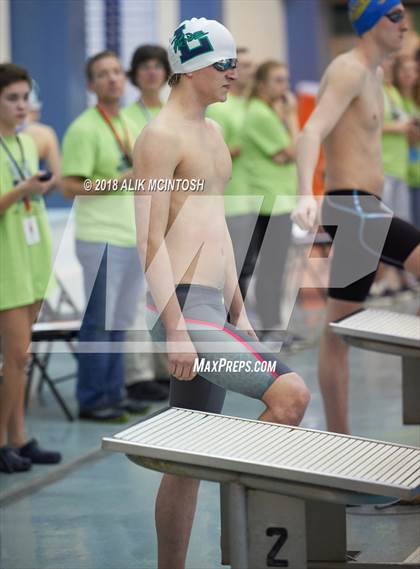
x: 181, y: 40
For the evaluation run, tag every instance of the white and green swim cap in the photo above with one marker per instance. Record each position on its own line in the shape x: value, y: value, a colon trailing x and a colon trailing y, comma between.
x: 198, y: 43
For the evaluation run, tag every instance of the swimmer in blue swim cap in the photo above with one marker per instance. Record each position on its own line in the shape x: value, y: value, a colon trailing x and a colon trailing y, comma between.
x: 348, y: 123
x: 365, y: 14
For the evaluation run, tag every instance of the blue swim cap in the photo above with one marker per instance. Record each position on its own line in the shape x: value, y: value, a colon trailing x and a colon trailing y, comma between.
x: 365, y: 14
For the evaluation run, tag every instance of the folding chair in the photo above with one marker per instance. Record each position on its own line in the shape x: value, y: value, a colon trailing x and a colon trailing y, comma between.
x: 57, y: 324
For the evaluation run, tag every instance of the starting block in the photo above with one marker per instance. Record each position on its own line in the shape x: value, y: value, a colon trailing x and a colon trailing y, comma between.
x: 390, y: 333
x: 284, y: 490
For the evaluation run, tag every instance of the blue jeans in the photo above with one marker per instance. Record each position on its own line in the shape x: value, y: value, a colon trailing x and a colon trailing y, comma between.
x: 112, y: 282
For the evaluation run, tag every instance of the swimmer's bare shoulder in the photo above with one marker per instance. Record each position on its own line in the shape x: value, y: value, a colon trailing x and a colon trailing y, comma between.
x: 343, y: 81
x: 214, y: 126
x: 158, y: 150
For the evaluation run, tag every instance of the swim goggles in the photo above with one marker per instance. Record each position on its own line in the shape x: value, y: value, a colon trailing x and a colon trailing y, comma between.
x: 225, y: 64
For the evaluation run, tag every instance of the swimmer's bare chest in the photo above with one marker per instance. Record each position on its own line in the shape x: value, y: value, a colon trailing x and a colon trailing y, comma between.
x: 197, y: 229
x: 353, y: 150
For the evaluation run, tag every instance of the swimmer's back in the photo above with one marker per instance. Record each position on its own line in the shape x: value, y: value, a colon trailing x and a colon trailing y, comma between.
x: 353, y: 148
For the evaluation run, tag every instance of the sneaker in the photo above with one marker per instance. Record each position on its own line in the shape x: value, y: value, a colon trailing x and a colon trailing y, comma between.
x: 133, y: 406
x: 148, y: 391
x: 105, y: 415
x: 11, y: 461
x: 38, y: 455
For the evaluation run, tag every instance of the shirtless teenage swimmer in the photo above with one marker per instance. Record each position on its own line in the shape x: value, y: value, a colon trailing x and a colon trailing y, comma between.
x: 348, y: 121
x: 187, y: 253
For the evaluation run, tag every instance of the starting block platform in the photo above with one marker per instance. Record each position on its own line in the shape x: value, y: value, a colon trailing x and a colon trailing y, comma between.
x: 390, y: 333
x: 284, y: 490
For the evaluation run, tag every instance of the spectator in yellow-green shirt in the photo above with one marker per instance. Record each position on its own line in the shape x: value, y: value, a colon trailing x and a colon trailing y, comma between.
x: 268, y: 153
x: 398, y: 129
x: 97, y: 171
x: 239, y: 210
x: 147, y: 376
x: 25, y: 266
x: 406, y: 77
x: 395, y: 147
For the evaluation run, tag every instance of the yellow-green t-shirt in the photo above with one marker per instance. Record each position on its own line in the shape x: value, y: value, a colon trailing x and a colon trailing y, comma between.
x: 138, y: 115
x: 413, y: 178
x: 394, y: 146
x: 25, y: 269
x: 230, y: 116
x: 265, y: 135
x: 91, y: 151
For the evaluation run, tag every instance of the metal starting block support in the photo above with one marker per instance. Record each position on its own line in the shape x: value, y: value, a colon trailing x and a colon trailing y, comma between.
x: 284, y: 490
x: 390, y: 333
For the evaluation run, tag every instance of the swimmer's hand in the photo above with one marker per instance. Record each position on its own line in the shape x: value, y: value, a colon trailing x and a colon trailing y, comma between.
x: 305, y: 213
x: 181, y: 363
x: 242, y: 323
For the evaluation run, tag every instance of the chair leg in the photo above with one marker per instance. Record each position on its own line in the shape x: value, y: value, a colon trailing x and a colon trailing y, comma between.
x: 45, y: 361
x: 50, y: 382
x: 30, y: 375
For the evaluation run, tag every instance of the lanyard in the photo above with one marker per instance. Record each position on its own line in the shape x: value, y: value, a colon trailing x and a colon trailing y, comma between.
x: 124, y: 146
x: 19, y: 170
x: 145, y: 110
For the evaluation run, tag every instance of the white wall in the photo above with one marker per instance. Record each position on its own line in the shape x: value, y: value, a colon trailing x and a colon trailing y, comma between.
x: 4, y: 31
x: 168, y: 19
x: 259, y: 25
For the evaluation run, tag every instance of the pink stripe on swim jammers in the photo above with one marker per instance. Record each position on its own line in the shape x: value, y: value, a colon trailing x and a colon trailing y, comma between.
x: 222, y: 329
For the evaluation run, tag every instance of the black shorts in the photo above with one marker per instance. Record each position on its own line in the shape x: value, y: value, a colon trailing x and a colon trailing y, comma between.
x: 364, y: 232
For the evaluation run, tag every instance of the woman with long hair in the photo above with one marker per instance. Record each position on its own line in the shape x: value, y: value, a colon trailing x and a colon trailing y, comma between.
x: 25, y: 267
x: 268, y: 154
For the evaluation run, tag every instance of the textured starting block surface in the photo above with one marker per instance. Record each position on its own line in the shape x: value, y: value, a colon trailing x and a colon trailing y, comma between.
x: 381, y: 326
x: 273, y: 451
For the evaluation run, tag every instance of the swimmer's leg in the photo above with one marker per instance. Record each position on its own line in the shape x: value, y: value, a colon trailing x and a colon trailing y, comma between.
x: 333, y: 367
x: 250, y: 369
x: 286, y: 400
x: 174, y: 514
x: 412, y: 263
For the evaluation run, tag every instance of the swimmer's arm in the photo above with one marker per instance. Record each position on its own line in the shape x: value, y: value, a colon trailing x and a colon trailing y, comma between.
x: 152, y: 217
x: 344, y: 83
x: 232, y: 292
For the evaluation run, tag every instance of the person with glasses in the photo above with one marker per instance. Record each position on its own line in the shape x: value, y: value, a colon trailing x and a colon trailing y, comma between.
x: 187, y: 254
x: 348, y: 120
